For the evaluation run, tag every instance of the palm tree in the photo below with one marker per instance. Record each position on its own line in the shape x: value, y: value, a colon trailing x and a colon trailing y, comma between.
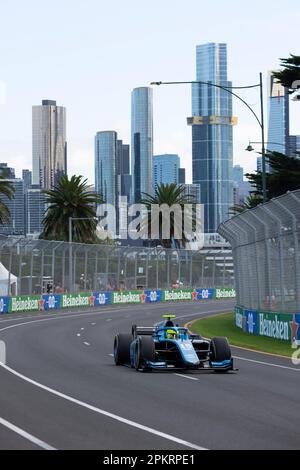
x: 169, y: 195
x: 71, y: 198
x: 7, y: 191
x: 251, y: 201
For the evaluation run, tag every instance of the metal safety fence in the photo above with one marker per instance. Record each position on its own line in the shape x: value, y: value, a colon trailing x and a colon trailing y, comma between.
x: 265, y: 247
x: 33, y: 267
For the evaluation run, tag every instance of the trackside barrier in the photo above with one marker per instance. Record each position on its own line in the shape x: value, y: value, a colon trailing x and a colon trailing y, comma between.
x: 281, y: 326
x: 96, y: 299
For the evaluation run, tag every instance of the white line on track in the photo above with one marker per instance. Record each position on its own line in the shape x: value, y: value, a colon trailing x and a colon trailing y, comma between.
x: 82, y: 329
x: 78, y: 334
x: 87, y: 344
x: 26, y: 435
x: 115, y: 417
x: 266, y: 363
x: 187, y: 377
x: 111, y: 355
x: 109, y: 319
x: 94, y: 324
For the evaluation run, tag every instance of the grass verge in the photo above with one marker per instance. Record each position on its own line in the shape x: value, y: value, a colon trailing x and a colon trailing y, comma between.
x: 223, y: 325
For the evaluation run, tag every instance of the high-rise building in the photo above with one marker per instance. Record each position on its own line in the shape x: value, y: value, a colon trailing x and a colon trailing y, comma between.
x: 123, y: 177
x: 7, y: 172
x: 279, y: 117
x: 49, y: 146
x: 165, y: 169
x: 105, y: 165
x: 16, y: 225
x: 212, y: 135
x: 141, y: 141
x: 294, y: 144
x: 27, y: 178
x: 181, y: 176
x: 238, y: 174
x: 35, y: 208
x: 194, y: 191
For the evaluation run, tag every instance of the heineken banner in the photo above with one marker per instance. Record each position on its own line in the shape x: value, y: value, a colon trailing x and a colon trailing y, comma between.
x: 29, y: 303
x: 178, y: 295
x: 225, y: 294
x: 4, y: 304
x: 76, y: 300
x: 132, y: 297
x: 281, y: 326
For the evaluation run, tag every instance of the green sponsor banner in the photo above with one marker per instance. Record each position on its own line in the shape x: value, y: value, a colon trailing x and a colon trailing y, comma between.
x: 76, y: 300
x: 26, y: 303
x: 130, y: 297
x: 275, y: 325
x: 178, y: 295
x: 225, y: 294
x: 239, y: 317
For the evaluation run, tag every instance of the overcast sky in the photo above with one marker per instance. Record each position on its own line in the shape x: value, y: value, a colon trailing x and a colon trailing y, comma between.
x: 88, y: 56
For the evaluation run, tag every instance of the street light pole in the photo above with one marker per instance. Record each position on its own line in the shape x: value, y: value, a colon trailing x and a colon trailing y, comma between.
x: 70, y: 257
x: 261, y: 120
x: 263, y: 150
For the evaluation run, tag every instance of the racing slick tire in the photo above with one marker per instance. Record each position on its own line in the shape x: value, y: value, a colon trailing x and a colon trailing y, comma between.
x: 220, y: 351
x: 144, y: 351
x: 122, y: 349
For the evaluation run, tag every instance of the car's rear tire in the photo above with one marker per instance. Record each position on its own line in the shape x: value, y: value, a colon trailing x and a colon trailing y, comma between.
x: 145, y: 351
x: 220, y: 351
x: 122, y: 349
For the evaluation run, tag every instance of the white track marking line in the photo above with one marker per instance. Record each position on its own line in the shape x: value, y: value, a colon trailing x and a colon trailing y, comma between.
x: 115, y: 417
x: 26, y: 435
x: 111, y: 355
x: 78, y: 334
x: 186, y: 377
x: 94, y: 324
x: 87, y: 344
x: 266, y: 363
x: 82, y: 329
x: 109, y: 319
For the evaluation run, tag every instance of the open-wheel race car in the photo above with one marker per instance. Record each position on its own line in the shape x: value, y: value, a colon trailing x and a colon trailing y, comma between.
x: 166, y: 346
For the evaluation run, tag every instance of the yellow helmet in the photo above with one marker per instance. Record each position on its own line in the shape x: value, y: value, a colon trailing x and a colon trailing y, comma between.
x: 171, y: 334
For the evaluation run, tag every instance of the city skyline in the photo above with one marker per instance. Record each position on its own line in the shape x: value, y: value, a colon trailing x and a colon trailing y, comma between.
x: 94, y: 90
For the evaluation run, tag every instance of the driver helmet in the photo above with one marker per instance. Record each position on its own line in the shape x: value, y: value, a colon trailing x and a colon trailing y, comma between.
x: 171, y: 334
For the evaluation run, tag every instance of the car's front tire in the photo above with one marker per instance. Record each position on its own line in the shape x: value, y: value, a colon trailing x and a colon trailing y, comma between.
x: 220, y: 351
x: 122, y: 349
x: 144, y: 352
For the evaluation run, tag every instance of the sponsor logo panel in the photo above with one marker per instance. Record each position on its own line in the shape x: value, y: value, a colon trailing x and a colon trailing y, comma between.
x: 101, y: 298
x: 225, y: 294
x: 153, y: 296
x: 205, y: 294
x: 76, y: 300
x: 28, y: 303
x: 179, y: 295
x: 50, y: 302
x: 4, y: 304
x: 131, y: 297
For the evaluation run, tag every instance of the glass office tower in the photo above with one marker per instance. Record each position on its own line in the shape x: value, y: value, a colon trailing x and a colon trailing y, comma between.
x: 279, y: 117
x: 105, y: 165
x: 212, y: 122
x: 49, y: 146
x: 141, y: 141
x: 165, y: 169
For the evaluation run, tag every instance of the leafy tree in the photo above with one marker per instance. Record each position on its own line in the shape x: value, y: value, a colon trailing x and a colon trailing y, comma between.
x: 71, y: 198
x: 290, y: 72
x: 7, y: 191
x: 169, y: 195
x: 251, y: 201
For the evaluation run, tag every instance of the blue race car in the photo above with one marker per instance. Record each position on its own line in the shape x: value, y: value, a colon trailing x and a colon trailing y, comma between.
x: 167, y: 346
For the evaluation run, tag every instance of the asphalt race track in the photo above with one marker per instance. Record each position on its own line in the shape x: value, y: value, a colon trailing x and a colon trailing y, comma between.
x: 60, y: 389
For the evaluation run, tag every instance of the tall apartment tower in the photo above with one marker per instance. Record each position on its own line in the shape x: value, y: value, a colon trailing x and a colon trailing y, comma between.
x: 49, y: 146
x: 278, y: 117
x: 212, y: 134
x: 141, y: 141
x: 105, y: 165
x: 165, y: 169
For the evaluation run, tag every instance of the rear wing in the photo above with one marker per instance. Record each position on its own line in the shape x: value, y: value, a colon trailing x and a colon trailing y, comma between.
x: 142, y: 331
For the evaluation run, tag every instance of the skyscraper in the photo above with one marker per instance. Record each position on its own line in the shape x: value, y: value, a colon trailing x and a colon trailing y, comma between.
x: 238, y: 174
x: 35, y: 207
x: 165, y: 169
x: 181, y: 176
x: 212, y: 123
x: 49, y: 146
x: 16, y: 225
x: 294, y: 144
x: 123, y: 177
x: 279, y: 117
x: 141, y: 141
x: 105, y: 165
x: 27, y: 178
x: 7, y: 172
